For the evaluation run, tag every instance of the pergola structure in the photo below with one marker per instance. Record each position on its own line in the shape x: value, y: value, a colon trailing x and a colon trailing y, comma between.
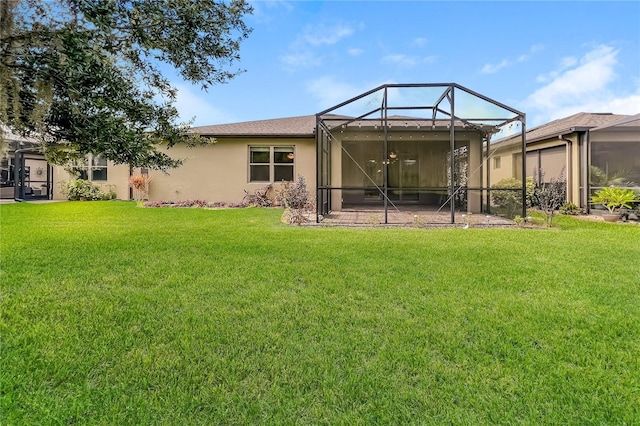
x: 420, y: 144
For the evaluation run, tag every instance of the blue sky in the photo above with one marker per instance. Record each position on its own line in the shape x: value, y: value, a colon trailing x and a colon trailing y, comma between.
x: 548, y: 59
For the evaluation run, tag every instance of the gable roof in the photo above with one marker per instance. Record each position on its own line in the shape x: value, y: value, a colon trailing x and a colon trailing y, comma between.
x: 302, y: 126
x: 579, y: 122
x: 625, y: 122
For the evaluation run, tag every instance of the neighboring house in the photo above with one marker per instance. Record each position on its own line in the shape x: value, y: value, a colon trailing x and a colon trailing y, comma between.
x: 394, y: 145
x: 25, y: 175
x: 591, y: 150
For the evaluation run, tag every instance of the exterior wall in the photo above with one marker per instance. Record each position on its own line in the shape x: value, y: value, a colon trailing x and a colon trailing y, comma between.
x: 220, y: 172
x: 216, y: 173
x: 508, y: 167
x: 117, y: 180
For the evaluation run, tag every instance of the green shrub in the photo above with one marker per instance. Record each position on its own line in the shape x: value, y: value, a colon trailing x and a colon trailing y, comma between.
x: 506, y: 195
x: 614, y: 198
x: 570, y: 209
x: 84, y: 190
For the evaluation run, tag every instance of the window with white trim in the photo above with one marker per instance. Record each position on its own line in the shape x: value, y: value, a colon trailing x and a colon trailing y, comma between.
x: 271, y: 163
x: 92, y: 167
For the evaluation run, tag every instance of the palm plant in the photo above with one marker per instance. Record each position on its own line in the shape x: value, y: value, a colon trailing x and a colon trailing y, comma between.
x: 614, y: 198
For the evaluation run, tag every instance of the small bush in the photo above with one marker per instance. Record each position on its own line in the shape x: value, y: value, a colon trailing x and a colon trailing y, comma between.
x: 295, y: 195
x: 260, y: 197
x: 183, y: 204
x: 296, y: 199
x: 570, y: 209
x: 507, y: 196
x: 84, y: 190
x: 550, y: 195
x: 140, y: 185
x: 217, y: 204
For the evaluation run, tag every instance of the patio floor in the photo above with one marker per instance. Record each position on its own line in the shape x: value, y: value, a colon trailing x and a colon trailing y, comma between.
x: 417, y: 216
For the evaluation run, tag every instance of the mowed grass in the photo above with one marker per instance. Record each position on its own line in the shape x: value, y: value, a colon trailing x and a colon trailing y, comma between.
x: 113, y: 314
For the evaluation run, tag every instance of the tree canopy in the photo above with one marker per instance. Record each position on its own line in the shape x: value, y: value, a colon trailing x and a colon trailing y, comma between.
x: 85, y: 76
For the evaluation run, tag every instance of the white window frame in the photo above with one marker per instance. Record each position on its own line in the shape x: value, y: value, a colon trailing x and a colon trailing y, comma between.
x: 88, y: 165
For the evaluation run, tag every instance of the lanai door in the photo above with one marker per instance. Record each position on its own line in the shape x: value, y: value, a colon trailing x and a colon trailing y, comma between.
x: 404, y: 172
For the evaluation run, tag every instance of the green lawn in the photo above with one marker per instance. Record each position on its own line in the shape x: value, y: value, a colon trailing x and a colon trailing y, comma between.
x: 113, y: 314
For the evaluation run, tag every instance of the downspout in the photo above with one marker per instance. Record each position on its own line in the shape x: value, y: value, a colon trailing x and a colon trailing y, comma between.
x: 523, y: 148
x: 569, y: 150
x: 587, y: 170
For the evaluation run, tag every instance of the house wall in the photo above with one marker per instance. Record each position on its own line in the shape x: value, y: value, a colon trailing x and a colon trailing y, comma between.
x: 215, y: 173
x: 117, y: 181
x: 553, y: 155
x: 220, y: 172
x: 510, y: 164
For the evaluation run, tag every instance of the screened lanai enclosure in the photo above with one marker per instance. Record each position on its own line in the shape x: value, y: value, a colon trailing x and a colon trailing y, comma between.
x: 416, y: 148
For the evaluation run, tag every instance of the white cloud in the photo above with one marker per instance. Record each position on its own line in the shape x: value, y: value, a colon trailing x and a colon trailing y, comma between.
x: 329, y: 91
x: 566, y: 62
x: 592, y: 75
x: 191, y: 103
x: 420, y: 42
x: 301, y: 59
x: 265, y: 10
x: 583, y: 86
x: 355, y: 52
x: 408, y: 60
x: 401, y: 59
x: 303, y: 51
x: 491, y: 69
x: 327, y: 34
x: 494, y: 68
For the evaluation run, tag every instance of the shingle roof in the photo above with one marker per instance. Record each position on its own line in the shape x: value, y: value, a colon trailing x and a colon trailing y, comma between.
x: 580, y: 121
x: 570, y: 124
x: 302, y: 126
x: 628, y: 121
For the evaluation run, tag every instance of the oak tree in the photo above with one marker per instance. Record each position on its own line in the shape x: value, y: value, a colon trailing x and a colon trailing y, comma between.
x: 86, y: 76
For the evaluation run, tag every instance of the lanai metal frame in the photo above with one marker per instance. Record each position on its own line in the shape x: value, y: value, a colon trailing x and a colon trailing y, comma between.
x: 442, y: 110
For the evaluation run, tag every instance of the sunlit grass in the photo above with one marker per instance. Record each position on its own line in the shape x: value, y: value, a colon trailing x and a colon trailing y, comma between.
x: 122, y: 315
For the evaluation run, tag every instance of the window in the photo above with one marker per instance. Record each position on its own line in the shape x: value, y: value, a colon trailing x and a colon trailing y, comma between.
x: 92, y: 167
x: 496, y: 163
x: 270, y: 163
x: 98, y: 168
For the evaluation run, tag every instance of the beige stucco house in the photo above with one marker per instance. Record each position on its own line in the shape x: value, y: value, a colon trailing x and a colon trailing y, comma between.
x: 242, y: 157
x: 394, y: 146
x: 391, y: 155
x: 591, y: 150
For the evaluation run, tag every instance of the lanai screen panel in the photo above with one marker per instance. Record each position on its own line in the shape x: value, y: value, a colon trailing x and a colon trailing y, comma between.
x: 401, y: 146
x: 615, y: 163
